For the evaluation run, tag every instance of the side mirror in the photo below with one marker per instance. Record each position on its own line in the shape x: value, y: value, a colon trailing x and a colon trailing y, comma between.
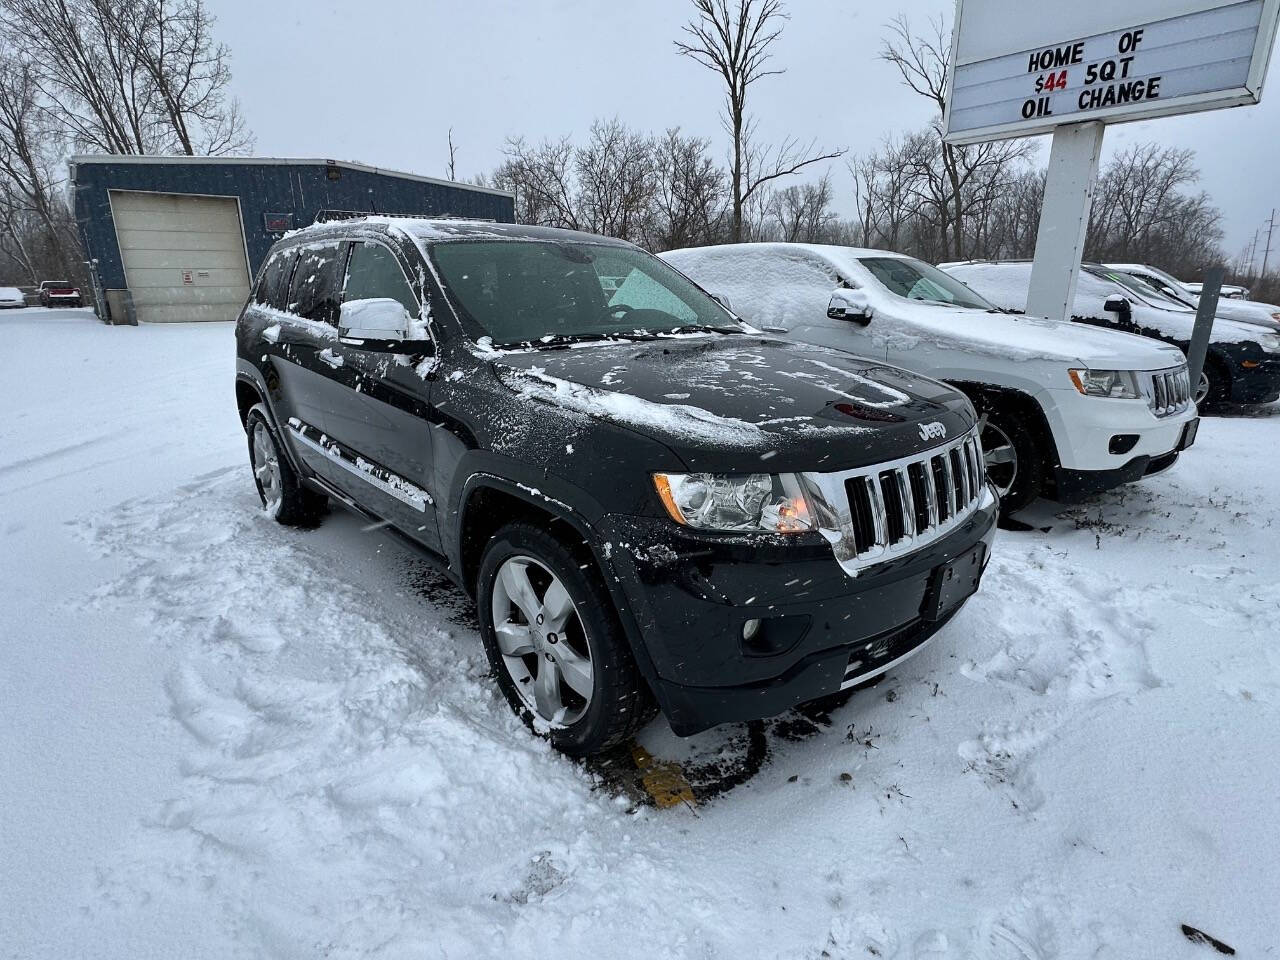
x: 380, y: 324
x: 1119, y: 306
x: 852, y: 305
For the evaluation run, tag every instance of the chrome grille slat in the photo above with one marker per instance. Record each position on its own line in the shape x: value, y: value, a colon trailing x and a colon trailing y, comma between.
x: 874, y: 513
x: 908, y: 504
x: 878, y: 520
x: 1168, y: 391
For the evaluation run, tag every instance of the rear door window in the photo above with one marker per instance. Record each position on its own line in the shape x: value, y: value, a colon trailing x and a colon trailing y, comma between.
x: 273, y: 285
x: 315, y: 291
x: 373, y: 271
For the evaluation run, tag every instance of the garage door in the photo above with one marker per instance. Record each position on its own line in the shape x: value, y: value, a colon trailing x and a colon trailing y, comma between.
x: 183, y: 255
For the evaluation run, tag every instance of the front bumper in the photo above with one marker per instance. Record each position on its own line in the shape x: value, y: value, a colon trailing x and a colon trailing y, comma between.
x: 689, y: 595
x: 1084, y: 429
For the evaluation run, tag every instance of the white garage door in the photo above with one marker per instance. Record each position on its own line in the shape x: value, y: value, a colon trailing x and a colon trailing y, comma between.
x: 183, y: 255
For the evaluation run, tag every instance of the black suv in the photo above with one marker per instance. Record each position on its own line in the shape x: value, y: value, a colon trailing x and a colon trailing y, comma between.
x: 650, y: 501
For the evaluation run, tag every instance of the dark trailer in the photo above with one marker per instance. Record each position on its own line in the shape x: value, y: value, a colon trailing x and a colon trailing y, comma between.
x: 180, y: 238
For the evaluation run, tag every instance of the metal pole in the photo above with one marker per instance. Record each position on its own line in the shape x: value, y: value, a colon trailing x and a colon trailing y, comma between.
x: 1205, y: 313
x: 1271, y: 225
x: 1064, y: 219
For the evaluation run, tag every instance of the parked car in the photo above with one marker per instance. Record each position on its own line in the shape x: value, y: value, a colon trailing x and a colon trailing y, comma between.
x: 1245, y: 311
x: 1065, y: 412
x: 1230, y: 291
x: 1242, y: 364
x: 648, y: 500
x: 11, y: 297
x: 59, y: 293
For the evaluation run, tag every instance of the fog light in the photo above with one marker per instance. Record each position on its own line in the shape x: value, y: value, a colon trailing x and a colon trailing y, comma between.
x: 1123, y: 442
x: 750, y: 629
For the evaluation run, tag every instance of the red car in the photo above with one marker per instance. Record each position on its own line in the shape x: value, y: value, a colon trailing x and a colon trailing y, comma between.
x: 59, y: 293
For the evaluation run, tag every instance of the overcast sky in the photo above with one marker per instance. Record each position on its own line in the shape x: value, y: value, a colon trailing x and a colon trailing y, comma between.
x: 382, y: 81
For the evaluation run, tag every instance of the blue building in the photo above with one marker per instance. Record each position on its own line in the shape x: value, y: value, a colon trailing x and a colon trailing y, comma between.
x: 181, y: 238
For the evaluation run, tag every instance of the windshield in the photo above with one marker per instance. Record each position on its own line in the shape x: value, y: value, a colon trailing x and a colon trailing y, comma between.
x: 1148, y: 293
x: 531, y: 291
x: 916, y: 280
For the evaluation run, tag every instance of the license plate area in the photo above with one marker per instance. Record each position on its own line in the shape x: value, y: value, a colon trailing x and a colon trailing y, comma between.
x: 1189, y: 434
x: 953, y: 583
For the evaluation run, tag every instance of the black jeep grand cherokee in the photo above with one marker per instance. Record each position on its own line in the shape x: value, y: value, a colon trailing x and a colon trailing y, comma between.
x: 649, y: 500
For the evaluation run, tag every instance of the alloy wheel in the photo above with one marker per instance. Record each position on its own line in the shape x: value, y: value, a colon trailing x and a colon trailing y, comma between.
x: 1000, y: 457
x: 1202, y: 387
x: 542, y: 640
x: 266, y: 467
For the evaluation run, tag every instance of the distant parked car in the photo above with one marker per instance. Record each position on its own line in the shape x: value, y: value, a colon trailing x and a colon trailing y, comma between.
x: 11, y: 297
x: 1245, y: 311
x: 1228, y: 290
x: 1243, y: 362
x: 1065, y: 412
x: 59, y: 293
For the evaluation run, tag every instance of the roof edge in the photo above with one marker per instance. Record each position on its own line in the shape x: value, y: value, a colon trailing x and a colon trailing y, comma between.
x: 103, y: 158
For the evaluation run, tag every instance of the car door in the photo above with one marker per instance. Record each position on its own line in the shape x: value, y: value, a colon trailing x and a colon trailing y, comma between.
x: 381, y: 419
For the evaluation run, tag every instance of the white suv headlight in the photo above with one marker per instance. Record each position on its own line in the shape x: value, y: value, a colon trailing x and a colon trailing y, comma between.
x: 735, y: 503
x: 1117, y: 384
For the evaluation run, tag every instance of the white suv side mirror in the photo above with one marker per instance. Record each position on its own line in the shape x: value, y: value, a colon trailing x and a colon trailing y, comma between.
x: 378, y: 323
x: 853, y: 305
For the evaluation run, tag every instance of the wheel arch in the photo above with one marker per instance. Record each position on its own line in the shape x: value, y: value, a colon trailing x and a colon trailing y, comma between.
x: 488, y: 503
x: 985, y: 396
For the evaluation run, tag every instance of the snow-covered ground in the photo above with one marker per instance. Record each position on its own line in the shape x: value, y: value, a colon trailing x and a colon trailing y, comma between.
x: 222, y: 738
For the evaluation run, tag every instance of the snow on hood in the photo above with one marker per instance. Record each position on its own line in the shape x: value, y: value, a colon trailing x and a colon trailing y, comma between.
x: 743, y: 393
x: 1007, y: 284
x: 791, y: 287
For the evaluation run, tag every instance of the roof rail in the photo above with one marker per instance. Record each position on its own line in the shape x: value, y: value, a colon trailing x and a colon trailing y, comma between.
x: 330, y: 216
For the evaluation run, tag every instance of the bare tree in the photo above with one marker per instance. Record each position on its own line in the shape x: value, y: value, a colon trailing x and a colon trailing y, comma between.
x: 36, y: 228
x: 451, y: 171
x: 616, y: 179
x: 689, y: 194
x: 733, y: 39
x: 131, y: 76
x: 542, y: 179
x: 966, y: 173
x: 803, y: 214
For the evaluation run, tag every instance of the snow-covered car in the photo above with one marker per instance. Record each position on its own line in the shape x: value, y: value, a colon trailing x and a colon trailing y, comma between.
x: 1230, y: 291
x: 648, y: 500
x: 1066, y: 412
x: 1242, y: 364
x: 59, y: 293
x: 11, y: 297
x: 1245, y: 311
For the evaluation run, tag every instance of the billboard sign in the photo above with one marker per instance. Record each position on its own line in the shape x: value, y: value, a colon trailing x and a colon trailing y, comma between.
x: 1019, y: 70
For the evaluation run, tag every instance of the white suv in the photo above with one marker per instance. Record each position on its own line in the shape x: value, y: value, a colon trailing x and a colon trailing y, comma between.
x: 1068, y: 410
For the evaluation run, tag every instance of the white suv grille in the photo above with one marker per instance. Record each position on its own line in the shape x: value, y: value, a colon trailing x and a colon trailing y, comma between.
x: 878, y: 512
x: 1167, y: 391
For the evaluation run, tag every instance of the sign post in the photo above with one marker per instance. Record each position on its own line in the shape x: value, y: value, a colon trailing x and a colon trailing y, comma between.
x: 1070, y: 69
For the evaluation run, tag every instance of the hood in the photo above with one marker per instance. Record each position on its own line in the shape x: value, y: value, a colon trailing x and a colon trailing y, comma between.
x: 739, y: 404
x: 1019, y: 337
x: 1250, y: 312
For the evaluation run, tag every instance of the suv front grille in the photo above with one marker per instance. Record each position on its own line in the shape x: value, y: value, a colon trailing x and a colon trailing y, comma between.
x: 875, y: 513
x: 1167, y: 392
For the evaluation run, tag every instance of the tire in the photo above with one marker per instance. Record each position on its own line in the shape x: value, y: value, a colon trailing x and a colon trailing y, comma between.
x: 594, y: 697
x: 283, y: 496
x: 1214, y: 387
x: 1011, y: 451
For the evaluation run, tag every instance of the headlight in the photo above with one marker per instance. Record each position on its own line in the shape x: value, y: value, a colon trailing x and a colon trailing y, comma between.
x: 1118, y: 384
x: 1270, y: 343
x: 735, y: 503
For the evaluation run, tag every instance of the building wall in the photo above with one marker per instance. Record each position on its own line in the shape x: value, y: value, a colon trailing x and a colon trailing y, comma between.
x: 266, y: 188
